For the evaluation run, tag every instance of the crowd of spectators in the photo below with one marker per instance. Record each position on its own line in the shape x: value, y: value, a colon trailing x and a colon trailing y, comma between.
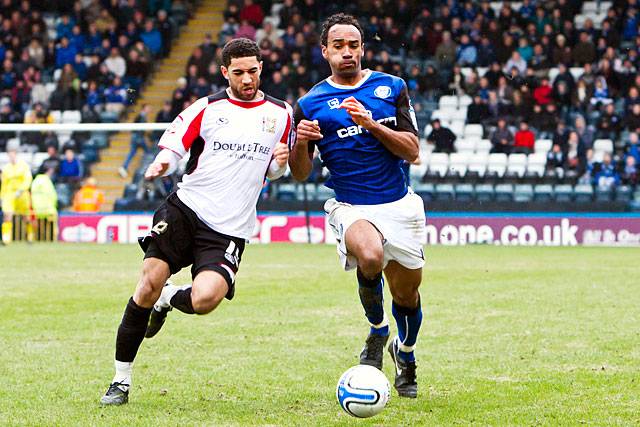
x: 90, y: 56
x: 98, y: 53
x: 503, y: 59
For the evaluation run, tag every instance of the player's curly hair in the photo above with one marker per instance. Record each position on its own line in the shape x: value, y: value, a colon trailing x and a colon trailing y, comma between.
x: 239, y: 48
x: 339, y: 19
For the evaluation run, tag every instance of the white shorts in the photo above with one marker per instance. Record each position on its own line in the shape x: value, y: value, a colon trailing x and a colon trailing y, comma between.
x: 401, y: 223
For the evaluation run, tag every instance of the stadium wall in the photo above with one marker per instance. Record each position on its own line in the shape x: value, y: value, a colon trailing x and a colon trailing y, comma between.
x: 450, y: 228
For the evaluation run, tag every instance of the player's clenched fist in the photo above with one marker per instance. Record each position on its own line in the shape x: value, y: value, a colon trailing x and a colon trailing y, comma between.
x: 155, y: 170
x: 358, y: 112
x: 308, y: 130
x: 281, y: 154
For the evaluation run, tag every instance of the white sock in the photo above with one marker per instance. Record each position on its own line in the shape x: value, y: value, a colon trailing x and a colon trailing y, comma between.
x: 123, y: 374
x: 168, y: 292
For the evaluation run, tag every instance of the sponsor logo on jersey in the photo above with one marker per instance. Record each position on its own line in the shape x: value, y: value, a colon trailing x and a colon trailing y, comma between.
x: 269, y: 124
x: 160, y: 227
x: 242, y: 151
x: 356, y: 130
x: 333, y: 103
x: 222, y: 121
x: 382, y: 92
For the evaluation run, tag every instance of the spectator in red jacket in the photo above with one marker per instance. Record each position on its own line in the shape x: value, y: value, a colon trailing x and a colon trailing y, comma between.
x: 542, y: 94
x: 253, y: 13
x: 524, y: 139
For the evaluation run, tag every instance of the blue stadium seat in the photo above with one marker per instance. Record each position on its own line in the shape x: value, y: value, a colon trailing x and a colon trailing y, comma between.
x: 64, y: 194
x: 286, y: 192
x: 130, y: 191
x: 604, y: 194
x: 583, y: 193
x: 464, y: 192
x: 543, y: 193
x: 523, y: 193
x: 425, y: 190
x: 504, y: 193
x: 484, y: 192
x: 444, y: 192
x: 563, y: 193
x: 623, y: 194
x: 324, y: 193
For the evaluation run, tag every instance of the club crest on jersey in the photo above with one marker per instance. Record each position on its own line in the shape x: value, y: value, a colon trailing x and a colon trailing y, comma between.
x: 382, y: 92
x: 222, y: 121
x: 333, y: 103
x: 269, y: 124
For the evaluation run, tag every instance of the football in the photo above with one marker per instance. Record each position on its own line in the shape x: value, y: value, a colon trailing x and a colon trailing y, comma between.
x: 363, y: 391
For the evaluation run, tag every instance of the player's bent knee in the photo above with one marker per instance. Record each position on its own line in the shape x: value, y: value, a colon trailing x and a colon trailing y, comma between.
x: 406, y: 298
x: 204, y: 305
x: 209, y: 289
x: 370, y: 261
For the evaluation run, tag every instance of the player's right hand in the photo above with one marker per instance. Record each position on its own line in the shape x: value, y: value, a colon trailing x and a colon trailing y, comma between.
x: 308, y: 130
x: 155, y: 170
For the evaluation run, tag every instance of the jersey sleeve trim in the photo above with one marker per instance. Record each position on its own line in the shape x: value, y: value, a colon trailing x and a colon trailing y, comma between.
x: 193, y: 131
x: 280, y: 103
x: 286, y: 135
x: 180, y: 135
x: 405, y: 115
x: 169, y: 148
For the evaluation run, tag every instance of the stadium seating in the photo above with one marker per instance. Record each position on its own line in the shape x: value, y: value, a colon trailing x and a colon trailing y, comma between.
x: 445, y: 176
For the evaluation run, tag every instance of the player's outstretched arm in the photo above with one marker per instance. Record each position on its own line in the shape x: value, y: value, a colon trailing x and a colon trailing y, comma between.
x: 301, y: 157
x: 165, y: 163
x: 403, y: 144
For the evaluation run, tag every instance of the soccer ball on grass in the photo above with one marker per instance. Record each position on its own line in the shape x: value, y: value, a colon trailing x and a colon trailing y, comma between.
x: 363, y: 391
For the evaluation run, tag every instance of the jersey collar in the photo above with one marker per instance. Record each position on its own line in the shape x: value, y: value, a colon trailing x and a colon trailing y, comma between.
x: 246, y: 104
x: 364, y: 78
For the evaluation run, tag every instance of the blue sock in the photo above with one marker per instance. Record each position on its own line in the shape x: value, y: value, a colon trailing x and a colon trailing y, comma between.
x: 408, y: 321
x: 371, y: 297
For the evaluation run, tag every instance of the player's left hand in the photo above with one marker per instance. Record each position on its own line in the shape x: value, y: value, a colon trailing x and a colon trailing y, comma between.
x: 281, y: 154
x: 358, y: 113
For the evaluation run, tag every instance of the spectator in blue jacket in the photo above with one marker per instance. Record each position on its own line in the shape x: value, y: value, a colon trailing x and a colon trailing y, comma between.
x: 80, y: 67
x: 607, y: 177
x: 115, y: 96
x: 70, y: 168
x: 152, y: 37
x: 93, y: 40
x: 466, y: 52
x: 64, y: 27
x: 65, y: 53
x: 77, y: 39
x: 94, y: 96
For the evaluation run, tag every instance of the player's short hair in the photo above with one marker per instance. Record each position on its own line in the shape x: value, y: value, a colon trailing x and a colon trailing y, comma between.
x: 339, y: 19
x: 239, y: 48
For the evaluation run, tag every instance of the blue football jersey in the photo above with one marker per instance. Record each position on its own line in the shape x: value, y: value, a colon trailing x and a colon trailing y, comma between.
x: 362, y: 170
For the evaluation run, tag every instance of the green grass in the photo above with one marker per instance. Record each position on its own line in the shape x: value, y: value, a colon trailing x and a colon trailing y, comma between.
x: 511, y: 336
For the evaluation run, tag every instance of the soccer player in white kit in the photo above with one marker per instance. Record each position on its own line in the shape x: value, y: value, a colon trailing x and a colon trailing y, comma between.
x: 235, y: 139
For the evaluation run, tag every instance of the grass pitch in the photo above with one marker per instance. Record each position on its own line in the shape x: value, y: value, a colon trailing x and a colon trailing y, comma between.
x: 511, y: 336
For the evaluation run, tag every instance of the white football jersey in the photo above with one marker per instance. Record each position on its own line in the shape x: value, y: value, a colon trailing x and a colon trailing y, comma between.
x: 230, y: 143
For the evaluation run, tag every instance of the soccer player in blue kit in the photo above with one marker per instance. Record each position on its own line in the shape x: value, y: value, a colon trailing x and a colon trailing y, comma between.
x: 364, y: 127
